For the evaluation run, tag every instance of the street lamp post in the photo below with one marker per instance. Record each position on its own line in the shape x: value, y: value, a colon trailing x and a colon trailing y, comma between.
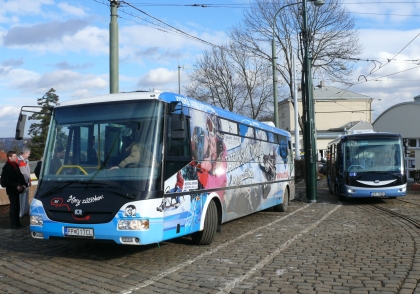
x: 309, y: 114
x: 273, y: 61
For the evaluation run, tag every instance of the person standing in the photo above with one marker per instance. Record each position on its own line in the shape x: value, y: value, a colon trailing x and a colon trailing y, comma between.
x: 37, y: 169
x: 25, y: 169
x: 23, y: 163
x: 13, y: 180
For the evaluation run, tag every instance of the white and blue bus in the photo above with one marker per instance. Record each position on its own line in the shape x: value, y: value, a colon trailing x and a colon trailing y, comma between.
x: 196, y: 167
x: 364, y: 165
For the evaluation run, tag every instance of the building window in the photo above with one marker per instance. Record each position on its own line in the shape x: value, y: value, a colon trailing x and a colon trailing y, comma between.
x: 413, y: 142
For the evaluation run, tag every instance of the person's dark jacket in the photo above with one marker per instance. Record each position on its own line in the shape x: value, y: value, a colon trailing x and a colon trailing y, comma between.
x: 55, y: 165
x: 11, y: 178
x: 37, y: 169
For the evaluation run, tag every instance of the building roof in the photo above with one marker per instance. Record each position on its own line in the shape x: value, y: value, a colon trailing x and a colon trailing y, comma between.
x: 353, y: 126
x: 415, y: 104
x: 322, y: 92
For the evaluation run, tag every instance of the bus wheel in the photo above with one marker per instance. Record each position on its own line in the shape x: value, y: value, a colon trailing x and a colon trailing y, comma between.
x: 205, y: 236
x: 337, y: 193
x: 283, y: 206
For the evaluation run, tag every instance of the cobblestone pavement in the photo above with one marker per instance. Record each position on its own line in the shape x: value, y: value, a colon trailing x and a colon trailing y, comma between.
x: 324, y: 247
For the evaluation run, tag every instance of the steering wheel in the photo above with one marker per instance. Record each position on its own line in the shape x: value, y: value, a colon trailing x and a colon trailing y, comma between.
x: 134, y: 164
x: 358, y: 167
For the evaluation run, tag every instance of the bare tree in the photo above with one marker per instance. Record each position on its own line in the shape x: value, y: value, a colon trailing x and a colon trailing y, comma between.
x: 229, y: 77
x: 331, y: 32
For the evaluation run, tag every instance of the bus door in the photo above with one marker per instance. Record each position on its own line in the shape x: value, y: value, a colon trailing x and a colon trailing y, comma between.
x: 177, y: 158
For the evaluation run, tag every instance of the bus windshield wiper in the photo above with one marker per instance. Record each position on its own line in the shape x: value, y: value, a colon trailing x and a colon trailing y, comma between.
x: 126, y: 195
x: 378, y: 172
x: 388, y: 173
x: 58, y: 187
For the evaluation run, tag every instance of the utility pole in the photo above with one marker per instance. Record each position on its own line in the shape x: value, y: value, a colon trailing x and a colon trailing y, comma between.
x: 113, y: 48
x: 179, y: 79
x: 295, y: 102
x: 309, y: 119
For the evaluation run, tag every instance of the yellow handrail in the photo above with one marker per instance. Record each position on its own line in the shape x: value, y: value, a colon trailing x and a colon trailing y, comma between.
x: 71, y: 166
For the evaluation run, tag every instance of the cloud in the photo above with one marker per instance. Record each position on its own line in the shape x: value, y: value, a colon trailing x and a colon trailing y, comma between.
x: 157, y: 78
x: 387, y: 14
x: 73, y: 10
x: 9, y: 111
x: 76, y: 39
x: 392, y: 71
x: 42, y: 33
x: 12, y: 62
x: 32, y: 83
x: 65, y: 65
x: 21, y: 7
x: 169, y: 46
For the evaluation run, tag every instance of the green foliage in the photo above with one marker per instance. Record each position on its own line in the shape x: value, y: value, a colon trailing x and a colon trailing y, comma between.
x: 39, y: 130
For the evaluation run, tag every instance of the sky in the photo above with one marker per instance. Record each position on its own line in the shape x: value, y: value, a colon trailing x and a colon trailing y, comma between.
x: 64, y: 45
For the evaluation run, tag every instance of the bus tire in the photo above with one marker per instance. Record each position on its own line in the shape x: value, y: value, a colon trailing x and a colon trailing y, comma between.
x: 283, y: 206
x: 337, y: 193
x: 205, y: 237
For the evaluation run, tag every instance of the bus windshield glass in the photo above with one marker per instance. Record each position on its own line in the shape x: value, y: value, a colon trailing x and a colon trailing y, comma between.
x: 369, y: 155
x: 106, y: 142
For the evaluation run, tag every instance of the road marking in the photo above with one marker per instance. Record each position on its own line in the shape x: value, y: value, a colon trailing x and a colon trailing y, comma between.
x: 188, y: 262
x: 271, y: 256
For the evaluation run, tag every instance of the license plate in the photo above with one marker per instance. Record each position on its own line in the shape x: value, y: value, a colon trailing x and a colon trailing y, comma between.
x: 78, y: 232
x: 377, y: 194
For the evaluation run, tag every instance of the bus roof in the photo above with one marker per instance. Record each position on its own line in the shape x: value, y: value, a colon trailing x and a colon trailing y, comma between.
x: 172, y: 97
x: 361, y: 136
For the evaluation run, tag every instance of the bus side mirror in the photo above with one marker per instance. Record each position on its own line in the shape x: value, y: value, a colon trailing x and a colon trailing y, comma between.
x: 173, y: 105
x: 178, y: 127
x: 20, y: 127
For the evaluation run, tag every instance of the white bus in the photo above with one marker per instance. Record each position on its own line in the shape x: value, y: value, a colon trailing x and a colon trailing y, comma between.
x: 144, y: 167
x: 365, y: 165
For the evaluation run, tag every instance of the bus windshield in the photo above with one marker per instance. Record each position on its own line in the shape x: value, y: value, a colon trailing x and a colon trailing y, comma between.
x: 109, y: 142
x: 373, y: 155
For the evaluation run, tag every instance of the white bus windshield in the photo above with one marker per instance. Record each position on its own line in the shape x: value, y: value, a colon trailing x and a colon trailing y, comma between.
x: 118, y: 141
x: 369, y: 155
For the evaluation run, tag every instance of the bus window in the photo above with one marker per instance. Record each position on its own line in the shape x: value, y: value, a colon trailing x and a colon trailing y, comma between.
x: 178, y: 150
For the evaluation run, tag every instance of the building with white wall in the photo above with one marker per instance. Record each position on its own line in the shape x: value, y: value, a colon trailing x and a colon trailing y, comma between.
x: 334, y: 110
x: 404, y: 119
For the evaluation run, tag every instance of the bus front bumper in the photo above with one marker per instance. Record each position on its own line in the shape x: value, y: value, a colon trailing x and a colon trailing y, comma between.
x: 375, y: 192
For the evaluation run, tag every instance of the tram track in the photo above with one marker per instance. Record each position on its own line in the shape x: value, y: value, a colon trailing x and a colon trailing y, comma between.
x: 409, y: 202
x: 407, y: 284
x: 409, y: 219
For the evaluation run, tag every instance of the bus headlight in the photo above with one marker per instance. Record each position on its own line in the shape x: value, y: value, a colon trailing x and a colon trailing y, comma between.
x: 135, y: 224
x: 350, y: 191
x: 403, y: 189
x: 36, y: 220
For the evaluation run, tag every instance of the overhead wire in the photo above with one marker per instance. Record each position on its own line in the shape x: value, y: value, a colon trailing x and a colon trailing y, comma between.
x: 172, y: 27
x: 382, y: 66
x: 164, y: 27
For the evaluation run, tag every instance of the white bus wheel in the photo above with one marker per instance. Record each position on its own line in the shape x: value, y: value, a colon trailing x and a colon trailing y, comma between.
x: 283, y: 206
x: 205, y: 236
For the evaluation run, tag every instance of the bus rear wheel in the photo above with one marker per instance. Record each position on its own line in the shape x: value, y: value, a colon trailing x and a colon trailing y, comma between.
x: 283, y: 206
x: 205, y: 237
